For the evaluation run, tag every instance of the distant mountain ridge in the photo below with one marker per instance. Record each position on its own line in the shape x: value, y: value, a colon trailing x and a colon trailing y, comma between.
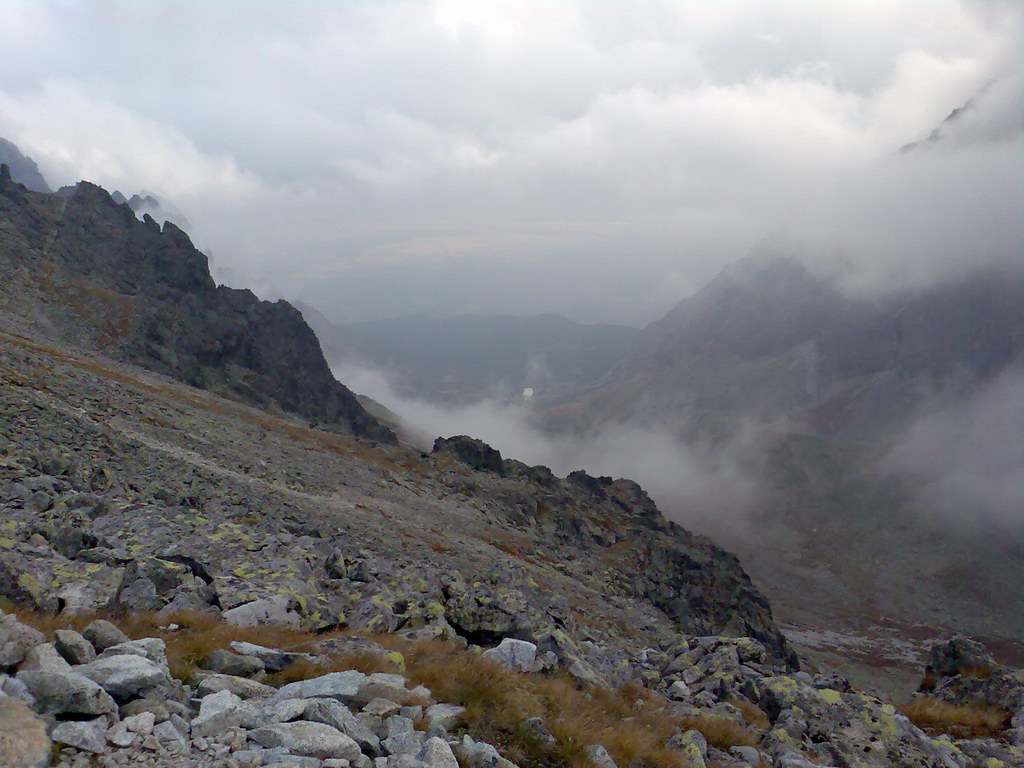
x: 96, y: 275
x: 768, y: 339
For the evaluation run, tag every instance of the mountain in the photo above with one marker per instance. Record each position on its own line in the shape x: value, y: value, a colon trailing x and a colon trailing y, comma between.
x: 826, y: 389
x: 85, y: 267
x: 768, y: 340
x: 471, y: 357
x: 23, y: 169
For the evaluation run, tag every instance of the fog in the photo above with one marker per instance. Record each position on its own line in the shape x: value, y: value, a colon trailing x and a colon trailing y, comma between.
x: 965, y: 456
x: 688, y: 480
x: 598, y: 160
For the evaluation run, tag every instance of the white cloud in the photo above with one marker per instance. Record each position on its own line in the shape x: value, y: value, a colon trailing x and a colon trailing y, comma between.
x: 599, y: 148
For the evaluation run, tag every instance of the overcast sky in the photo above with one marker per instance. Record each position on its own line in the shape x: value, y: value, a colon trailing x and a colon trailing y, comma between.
x: 597, y: 159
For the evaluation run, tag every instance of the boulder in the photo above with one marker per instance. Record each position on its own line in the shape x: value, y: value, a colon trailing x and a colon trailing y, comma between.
x: 16, y: 639
x: 308, y: 739
x: 337, y: 715
x: 273, y: 659
x: 125, y: 676
x: 382, y: 685
x: 23, y: 739
x: 268, y: 610
x: 67, y: 693
x: 957, y: 656
x: 599, y: 756
x: 45, y: 657
x: 229, y: 663
x: 242, y: 687
x: 445, y: 716
x: 220, y: 711
x: 84, y: 735
x: 102, y: 634
x: 437, y: 754
x: 517, y: 655
x: 343, y: 686
x: 73, y: 647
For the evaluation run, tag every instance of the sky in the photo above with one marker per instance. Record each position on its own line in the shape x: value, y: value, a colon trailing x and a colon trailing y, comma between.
x: 601, y: 160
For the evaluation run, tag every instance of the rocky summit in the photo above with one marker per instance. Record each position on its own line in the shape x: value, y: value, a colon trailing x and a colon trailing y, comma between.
x: 211, y: 555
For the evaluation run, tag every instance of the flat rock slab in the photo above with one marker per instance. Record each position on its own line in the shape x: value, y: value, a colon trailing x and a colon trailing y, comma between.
x: 343, y: 686
x: 308, y: 739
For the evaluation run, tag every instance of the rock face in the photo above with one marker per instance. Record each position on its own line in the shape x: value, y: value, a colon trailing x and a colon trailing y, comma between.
x: 23, y: 169
x: 145, y: 294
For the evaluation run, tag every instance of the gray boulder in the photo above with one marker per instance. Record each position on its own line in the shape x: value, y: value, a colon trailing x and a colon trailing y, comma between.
x: 437, y: 754
x: 599, y: 756
x: 125, y: 676
x: 517, y: 655
x: 16, y: 639
x: 45, y: 657
x: 337, y: 715
x: 229, y: 663
x: 66, y: 693
x: 308, y: 739
x: 73, y: 647
x: 220, y: 711
x: 85, y: 735
x: 102, y: 634
x: 343, y: 686
x: 242, y: 687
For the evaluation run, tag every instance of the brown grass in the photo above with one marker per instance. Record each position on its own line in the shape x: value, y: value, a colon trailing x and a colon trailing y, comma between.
x: 970, y: 721
x: 752, y: 713
x: 197, y: 636
x: 631, y: 723
x: 722, y: 732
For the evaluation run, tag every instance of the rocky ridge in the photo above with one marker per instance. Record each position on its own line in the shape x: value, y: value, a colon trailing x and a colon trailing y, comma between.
x: 86, y: 268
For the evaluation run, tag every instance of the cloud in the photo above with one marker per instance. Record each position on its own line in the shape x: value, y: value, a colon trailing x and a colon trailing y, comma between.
x: 687, y: 479
x: 966, y: 456
x: 592, y: 159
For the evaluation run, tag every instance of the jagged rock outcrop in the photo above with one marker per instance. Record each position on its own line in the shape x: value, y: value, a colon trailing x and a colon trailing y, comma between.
x: 23, y: 169
x: 134, y: 290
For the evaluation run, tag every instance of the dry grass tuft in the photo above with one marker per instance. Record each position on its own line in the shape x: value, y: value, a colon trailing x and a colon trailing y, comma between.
x: 631, y: 723
x: 197, y: 634
x: 971, y: 721
x: 752, y: 713
x: 722, y: 732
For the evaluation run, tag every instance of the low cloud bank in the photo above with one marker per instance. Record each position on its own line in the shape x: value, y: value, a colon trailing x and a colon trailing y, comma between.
x: 688, y: 481
x: 966, y: 458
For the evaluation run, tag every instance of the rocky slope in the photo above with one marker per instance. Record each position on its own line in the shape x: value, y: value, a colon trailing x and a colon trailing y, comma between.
x: 86, y: 268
